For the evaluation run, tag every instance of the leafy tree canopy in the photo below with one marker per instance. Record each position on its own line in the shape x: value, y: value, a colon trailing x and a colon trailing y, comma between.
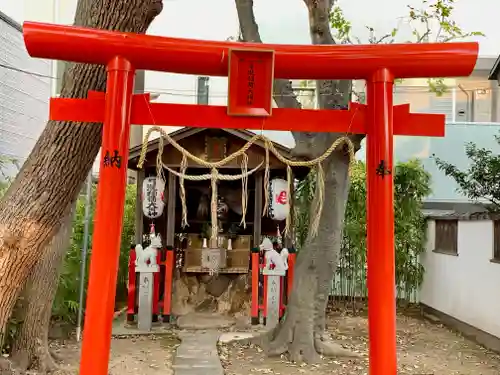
x: 432, y: 22
x: 481, y: 181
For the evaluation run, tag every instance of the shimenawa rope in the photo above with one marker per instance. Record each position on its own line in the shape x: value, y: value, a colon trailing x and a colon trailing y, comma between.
x: 215, y: 176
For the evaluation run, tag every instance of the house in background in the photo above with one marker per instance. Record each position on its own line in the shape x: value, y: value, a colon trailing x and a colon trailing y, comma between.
x: 473, y: 99
x: 472, y: 109
x: 462, y: 256
x: 462, y: 274
x: 25, y: 87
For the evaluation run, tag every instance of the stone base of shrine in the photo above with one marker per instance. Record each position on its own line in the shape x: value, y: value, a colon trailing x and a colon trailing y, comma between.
x: 224, y: 294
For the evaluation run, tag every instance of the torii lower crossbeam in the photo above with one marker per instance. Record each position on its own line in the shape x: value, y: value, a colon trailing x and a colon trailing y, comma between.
x: 251, y: 69
x: 353, y: 120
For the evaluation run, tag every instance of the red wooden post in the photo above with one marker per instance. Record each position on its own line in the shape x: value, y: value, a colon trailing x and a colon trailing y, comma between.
x: 131, y: 286
x: 156, y: 289
x: 107, y: 232
x: 255, y: 286
x: 169, y: 277
x: 352, y: 120
x: 291, y: 272
x: 206, y: 57
x: 380, y: 227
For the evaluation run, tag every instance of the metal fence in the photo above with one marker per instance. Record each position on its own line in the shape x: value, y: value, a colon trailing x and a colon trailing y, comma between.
x: 349, y: 286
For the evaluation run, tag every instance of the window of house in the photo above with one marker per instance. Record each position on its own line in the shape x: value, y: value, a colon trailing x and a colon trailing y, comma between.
x: 446, y: 240
x: 496, y: 241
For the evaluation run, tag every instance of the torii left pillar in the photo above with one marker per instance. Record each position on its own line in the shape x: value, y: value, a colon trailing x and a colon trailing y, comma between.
x: 106, y: 238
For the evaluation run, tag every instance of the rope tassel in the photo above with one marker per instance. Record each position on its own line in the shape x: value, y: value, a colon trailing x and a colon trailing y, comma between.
x: 320, y: 194
x: 182, y: 190
x: 213, y: 212
x: 267, y: 179
x: 244, y: 190
x: 289, y: 181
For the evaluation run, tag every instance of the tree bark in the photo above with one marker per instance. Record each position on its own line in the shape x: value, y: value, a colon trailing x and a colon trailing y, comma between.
x: 302, y: 334
x: 30, y: 349
x: 316, y: 265
x: 33, y: 207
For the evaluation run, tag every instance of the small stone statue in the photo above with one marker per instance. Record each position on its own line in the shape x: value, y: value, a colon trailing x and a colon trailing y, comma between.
x: 274, y: 261
x: 146, y: 258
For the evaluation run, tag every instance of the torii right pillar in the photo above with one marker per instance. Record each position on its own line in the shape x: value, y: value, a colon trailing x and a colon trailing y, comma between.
x: 380, y: 224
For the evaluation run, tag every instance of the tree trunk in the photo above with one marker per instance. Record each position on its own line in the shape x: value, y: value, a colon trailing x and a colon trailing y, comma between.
x: 33, y: 207
x: 302, y: 334
x: 30, y: 349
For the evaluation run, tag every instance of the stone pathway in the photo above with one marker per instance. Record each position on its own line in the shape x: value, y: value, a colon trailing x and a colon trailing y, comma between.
x: 197, y: 354
x: 204, y: 321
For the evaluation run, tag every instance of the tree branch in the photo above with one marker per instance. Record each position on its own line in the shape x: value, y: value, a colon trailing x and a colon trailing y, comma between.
x: 283, y: 93
x: 282, y: 89
x: 333, y: 94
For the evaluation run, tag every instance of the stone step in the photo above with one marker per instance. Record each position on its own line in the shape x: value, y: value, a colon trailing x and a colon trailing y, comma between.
x: 197, y: 354
x: 200, y: 361
x: 198, y: 371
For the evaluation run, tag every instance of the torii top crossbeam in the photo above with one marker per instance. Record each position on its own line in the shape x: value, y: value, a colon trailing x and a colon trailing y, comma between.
x: 251, y: 69
x: 426, y: 60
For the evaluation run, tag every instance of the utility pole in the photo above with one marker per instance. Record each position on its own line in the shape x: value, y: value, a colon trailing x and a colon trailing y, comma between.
x: 86, y: 226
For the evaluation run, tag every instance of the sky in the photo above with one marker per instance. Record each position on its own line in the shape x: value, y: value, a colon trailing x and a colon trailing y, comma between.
x: 286, y: 21
x: 281, y: 21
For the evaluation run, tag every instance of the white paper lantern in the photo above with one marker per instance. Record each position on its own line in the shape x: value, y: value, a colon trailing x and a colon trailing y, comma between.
x: 152, y: 197
x: 279, y: 205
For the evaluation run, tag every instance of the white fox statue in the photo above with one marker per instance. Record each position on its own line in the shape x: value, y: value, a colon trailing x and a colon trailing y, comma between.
x: 274, y: 260
x: 146, y: 258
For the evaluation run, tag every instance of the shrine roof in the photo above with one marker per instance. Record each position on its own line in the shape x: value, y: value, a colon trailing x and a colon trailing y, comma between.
x: 188, y: 132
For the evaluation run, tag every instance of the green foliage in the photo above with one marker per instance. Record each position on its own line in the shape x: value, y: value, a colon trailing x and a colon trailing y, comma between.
x: 411, y: 185
x: 340, y: 26
x: 65, y: 306
x: 432, y: 22
x: 5, y: 180
x: 437, y: 86
x: 481, y: 181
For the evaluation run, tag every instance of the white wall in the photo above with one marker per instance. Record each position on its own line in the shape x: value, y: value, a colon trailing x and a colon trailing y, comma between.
x: 24, y: 97
x: 466, y: 286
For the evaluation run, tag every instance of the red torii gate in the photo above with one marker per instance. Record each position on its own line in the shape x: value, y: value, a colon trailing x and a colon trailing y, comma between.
x: 251, y: 69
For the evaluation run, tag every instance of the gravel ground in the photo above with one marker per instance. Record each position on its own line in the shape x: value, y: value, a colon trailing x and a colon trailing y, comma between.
x: 424, y: 348
x: 144, y: 355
